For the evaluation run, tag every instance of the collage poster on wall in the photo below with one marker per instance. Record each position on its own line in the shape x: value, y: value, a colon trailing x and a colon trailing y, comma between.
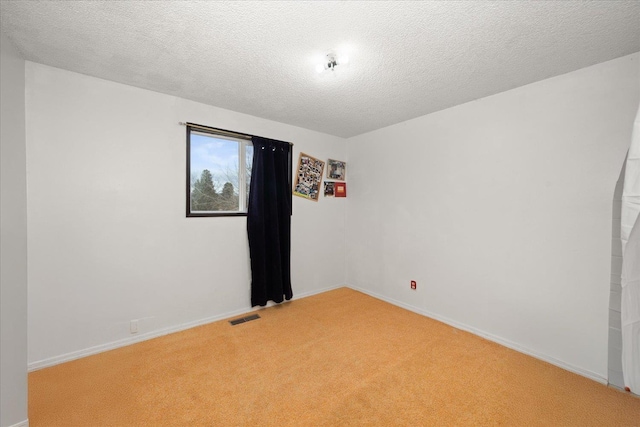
x: 309, y: 177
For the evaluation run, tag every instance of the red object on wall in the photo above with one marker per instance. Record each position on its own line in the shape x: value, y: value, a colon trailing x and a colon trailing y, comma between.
x: 413, y: 284
x: 340, y: 189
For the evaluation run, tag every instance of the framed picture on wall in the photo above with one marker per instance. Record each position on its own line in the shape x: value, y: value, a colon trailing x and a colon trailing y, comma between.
x: 309, y: 177
x: 336, y: 169
x: 328, y: 188
x: 340, y: 189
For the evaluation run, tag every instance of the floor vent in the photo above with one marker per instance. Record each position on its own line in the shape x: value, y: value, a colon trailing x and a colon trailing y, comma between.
x: 244, y: 319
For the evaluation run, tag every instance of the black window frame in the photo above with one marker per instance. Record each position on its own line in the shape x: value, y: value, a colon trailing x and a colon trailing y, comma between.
x: 229, y: 134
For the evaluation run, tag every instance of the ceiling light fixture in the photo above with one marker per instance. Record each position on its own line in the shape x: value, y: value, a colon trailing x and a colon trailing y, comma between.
x: 331, y: 61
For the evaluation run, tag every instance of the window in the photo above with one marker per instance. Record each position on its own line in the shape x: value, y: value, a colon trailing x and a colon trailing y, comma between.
x: 218, y: 172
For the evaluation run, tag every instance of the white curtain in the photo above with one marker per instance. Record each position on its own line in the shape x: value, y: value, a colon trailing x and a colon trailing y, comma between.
x: 630, y: 234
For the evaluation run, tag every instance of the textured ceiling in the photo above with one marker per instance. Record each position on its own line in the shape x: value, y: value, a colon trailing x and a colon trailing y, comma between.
x: 407, y: 59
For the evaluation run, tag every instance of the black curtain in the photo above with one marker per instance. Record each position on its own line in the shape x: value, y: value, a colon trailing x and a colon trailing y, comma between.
x: 269, y: 221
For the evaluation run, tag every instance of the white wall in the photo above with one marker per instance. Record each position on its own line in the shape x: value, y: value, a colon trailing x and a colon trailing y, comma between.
x: 108, y: 237
x: 13, y: 241
x: 501, y: 210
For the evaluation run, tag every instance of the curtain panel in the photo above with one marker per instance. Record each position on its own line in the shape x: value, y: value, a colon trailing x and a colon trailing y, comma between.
x: 269, y: 221
x: 630, y: 235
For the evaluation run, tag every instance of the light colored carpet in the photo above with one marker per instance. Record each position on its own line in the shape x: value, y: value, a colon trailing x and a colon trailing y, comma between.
x: 340, y: 358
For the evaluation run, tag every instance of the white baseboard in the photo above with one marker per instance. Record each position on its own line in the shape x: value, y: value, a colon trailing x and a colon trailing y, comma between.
x: 56, y: 360
x: 517, y: 347
x: 24, y: 423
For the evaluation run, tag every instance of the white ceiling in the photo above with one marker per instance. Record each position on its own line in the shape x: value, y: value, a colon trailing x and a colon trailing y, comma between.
x: 407, y: 59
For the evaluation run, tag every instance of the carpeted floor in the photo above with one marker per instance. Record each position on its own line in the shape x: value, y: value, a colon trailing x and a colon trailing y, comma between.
x: 340, y: 358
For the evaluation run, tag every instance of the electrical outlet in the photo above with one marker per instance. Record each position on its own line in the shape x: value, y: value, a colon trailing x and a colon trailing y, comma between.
x: 414, y: 285
x: 134, y: 326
